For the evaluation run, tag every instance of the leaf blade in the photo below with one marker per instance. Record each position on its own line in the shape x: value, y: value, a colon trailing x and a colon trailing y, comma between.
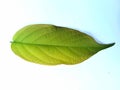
x: 52, y: 45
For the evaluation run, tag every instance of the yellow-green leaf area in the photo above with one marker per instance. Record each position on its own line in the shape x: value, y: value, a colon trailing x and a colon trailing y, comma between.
x: 52, y: 45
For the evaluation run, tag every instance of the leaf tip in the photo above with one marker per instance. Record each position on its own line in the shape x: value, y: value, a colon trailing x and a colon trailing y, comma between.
x: 110, y: 45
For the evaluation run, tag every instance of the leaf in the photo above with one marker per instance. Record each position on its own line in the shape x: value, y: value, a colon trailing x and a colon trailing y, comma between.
x: 52, y: 45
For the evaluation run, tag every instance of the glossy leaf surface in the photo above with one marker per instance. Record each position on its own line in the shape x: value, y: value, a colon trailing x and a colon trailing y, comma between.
x: 51, y: 45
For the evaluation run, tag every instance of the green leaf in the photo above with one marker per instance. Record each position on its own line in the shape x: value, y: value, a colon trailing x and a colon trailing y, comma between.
x: 52, y: 45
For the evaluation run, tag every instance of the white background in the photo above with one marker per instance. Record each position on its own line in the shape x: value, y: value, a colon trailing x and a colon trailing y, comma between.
x: 99, y: 18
